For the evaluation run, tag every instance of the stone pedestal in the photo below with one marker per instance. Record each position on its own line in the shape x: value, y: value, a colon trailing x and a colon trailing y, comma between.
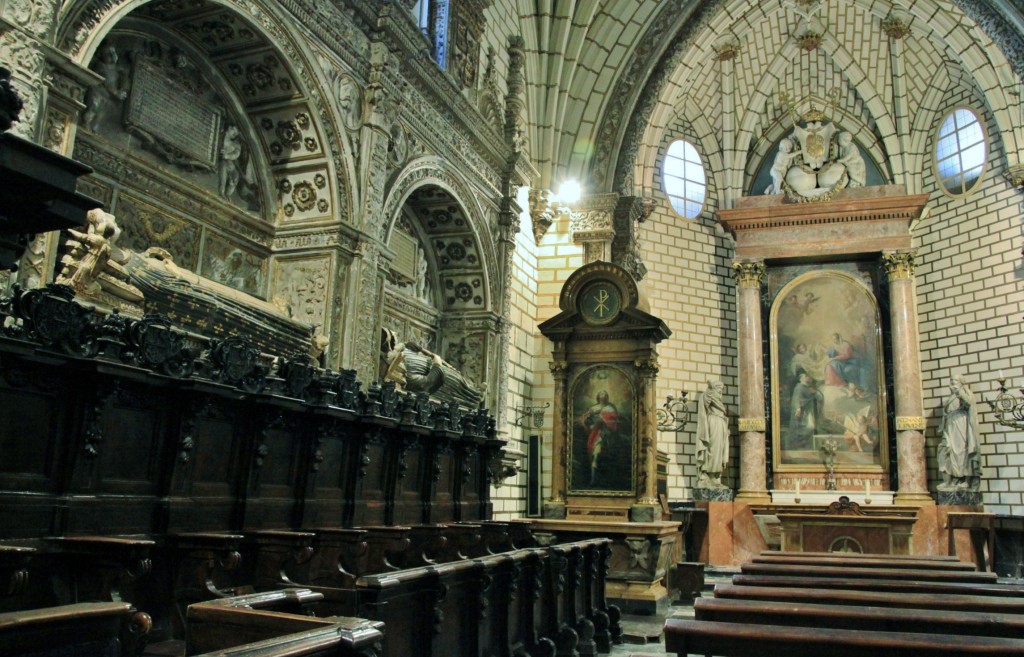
x: 641, y: 555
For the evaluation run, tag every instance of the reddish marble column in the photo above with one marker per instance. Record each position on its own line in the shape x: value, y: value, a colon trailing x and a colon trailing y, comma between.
x: 910, y: 424
x: 753, y: 481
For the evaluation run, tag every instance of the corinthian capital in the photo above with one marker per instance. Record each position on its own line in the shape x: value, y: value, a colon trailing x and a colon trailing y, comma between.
x: 749, y: 274
x: 899, y: 264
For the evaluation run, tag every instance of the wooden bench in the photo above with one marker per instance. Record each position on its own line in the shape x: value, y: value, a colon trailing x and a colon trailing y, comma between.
x: 858, y: 556
x: 833, y: 560
x: 876, y: 584
x: 684, y: 637
x: 865, y: 572
x: 269, y: 624
x: 85, y: 629
x: 948, y: 601
x: 853, y: 617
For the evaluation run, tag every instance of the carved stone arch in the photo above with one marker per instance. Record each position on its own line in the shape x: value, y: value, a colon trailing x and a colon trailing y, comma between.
x: 453, y: 224
x: 433, y: 172
x: 84, y: 24
x: 769, y: 84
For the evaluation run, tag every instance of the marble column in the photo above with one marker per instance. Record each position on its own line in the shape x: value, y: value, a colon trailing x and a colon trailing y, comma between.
x: 554, y: 507
x: 910, y: 424
x: 753, y: 480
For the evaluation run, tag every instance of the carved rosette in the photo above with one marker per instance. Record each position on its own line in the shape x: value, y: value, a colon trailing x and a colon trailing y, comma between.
x: 899, y: 264
x: 749, y: 274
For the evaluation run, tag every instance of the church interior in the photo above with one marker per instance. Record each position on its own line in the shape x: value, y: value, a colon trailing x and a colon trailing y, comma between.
x: 480, y: 327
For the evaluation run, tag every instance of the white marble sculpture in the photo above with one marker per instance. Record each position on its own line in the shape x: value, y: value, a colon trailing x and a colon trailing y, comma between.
x: 712, y: 437
x: 816, y: 160
x: 958, y: 455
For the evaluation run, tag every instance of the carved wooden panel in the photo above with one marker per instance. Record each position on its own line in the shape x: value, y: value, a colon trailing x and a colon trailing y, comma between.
x: 370, y: 485
x: 206, y: 478
x: 408, y: 485
x: 441, y: 484
x: 274, y: 477
x: 328, y: 476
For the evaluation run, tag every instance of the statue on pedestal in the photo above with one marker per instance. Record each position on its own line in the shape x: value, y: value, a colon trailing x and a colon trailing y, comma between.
x: 959, y: 460
x: 712, y: 437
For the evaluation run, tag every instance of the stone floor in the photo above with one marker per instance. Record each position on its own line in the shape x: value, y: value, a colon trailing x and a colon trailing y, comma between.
x: 643, y: 636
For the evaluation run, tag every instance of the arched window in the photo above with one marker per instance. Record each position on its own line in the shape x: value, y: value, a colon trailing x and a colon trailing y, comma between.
x: 960, y: 152
x: 685, y: 182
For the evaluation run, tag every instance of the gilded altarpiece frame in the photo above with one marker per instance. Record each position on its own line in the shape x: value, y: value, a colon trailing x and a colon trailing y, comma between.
x: 827, y: 373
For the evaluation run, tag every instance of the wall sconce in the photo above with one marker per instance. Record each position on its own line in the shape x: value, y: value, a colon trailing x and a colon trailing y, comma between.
x: 531, y: 416
x: 673, y: 414
x: 1009, y: 411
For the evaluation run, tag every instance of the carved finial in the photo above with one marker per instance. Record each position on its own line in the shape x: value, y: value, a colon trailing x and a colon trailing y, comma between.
x: 895, y: 26
x: 727, y: 51
x: 541, y: 212
x: 1015, y: 174
x: 10, y: 102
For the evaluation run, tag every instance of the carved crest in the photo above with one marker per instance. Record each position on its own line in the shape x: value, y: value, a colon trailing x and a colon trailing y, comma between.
x: 53, y: 318
x: 814, y: 141
x: 236, y: 360
x: 156, y: 345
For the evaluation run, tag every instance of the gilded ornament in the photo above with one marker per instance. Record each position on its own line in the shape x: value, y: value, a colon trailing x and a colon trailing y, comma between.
x: 752, y: 424
x: 910, y: 423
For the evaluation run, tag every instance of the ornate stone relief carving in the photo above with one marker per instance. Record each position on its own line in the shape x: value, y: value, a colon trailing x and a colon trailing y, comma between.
x: 232, y: 265
x: 304, y: 195
x: 462, y: 291
x: 305, y: 283
x: 260, y: 78
x: 290, y: 134
x: 145, y: 225
x: 32, y: 16
x: 491, y: 103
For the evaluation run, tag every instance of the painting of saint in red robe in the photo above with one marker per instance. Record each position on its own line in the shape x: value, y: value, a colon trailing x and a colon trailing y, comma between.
x: 602, y: 441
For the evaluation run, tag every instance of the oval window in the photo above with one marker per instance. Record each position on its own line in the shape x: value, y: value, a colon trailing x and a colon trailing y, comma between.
x: 684, y: 179
x: 961, y: 151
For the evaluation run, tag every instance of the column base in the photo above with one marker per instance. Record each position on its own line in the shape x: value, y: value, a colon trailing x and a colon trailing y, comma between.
x: 753, y: 497
x: 914, y: 499
x: 554, y: 510
x: 645, y: 513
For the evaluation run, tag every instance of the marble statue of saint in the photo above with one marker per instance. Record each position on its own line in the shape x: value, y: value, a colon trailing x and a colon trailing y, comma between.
x: 422, y: 288
x: 780, y: 166
x: 113, y: 86
x: 712, y: 437
x: 228, y: 173
x: 850, y: 156
x: 959, y: 461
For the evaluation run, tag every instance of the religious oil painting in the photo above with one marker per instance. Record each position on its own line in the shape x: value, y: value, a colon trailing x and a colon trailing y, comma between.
x: 601, y: 436
x: 828, y: 391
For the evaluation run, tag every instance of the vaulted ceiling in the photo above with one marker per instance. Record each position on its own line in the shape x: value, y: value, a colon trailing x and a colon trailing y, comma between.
x: 608, y: 80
